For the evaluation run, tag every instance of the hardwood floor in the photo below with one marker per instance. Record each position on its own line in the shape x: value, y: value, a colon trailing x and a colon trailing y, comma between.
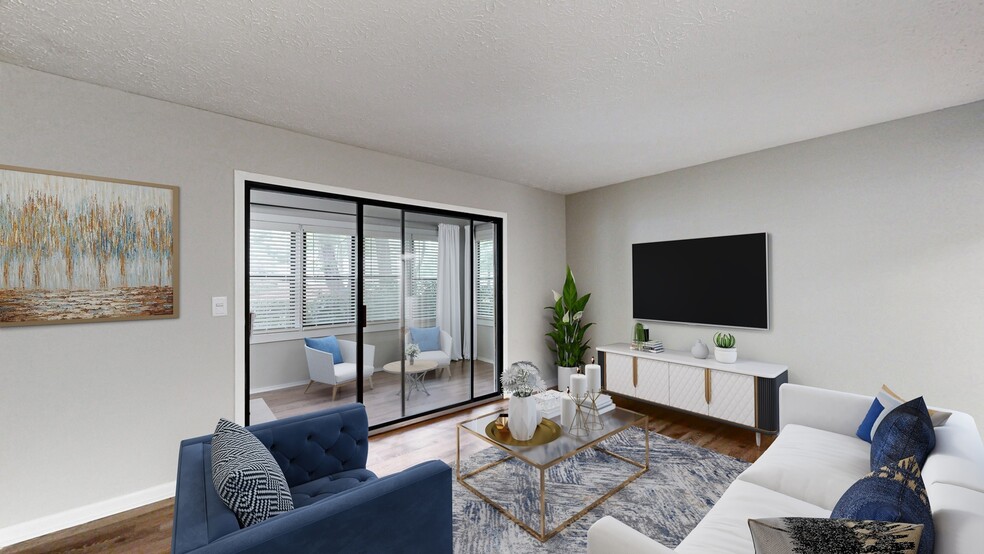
x: 148, y: 529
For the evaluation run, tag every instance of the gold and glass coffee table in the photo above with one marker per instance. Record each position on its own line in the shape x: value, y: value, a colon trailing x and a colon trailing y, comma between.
x: 544, y: 456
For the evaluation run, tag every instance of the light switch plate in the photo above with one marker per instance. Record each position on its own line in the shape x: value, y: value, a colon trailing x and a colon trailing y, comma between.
x: 219, y: 306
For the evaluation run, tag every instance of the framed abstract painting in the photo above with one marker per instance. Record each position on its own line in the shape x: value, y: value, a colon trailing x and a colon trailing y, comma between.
x: 79, y: 249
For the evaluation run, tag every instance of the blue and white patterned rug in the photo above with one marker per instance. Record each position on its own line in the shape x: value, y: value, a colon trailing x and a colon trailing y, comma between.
x: 665, y: 503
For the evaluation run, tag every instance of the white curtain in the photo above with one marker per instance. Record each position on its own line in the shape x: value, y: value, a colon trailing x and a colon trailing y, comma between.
x: 466, y: 348
x: 449, y: 284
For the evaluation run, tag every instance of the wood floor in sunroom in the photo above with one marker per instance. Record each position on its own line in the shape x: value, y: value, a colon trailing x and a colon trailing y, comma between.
x: 383, y: 400
x: 148, y: 529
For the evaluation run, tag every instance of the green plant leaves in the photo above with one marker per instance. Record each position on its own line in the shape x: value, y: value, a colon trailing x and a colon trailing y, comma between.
x: 568, y: 329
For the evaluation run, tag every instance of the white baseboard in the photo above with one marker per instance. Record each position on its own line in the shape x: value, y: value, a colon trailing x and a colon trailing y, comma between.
x: 83, y: 514
x: 278, y: 387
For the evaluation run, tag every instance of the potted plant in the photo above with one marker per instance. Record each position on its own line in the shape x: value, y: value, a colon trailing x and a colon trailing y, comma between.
x: 568, y: 330
x: 412, y: 351
x: 725, y: 348
x: 521, y: 381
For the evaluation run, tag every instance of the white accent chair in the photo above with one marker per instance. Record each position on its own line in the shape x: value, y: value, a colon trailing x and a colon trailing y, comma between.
x: 442, y: 356
x: 323, y: 369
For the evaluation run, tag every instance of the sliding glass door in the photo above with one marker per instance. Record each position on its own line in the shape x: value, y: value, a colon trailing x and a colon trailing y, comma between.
x: 394, y: 306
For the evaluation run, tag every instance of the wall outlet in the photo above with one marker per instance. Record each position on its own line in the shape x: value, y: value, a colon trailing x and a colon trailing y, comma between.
x: 220, y: 306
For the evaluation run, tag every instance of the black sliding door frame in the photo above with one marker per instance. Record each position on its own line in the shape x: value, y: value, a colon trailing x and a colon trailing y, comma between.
x: 361, y: 315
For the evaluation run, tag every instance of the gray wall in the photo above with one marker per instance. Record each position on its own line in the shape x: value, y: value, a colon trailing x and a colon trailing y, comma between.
x: 92, y: 412
x: 877, y: 253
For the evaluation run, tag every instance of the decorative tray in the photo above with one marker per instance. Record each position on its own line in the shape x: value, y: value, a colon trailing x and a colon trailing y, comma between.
x: 546, y: 431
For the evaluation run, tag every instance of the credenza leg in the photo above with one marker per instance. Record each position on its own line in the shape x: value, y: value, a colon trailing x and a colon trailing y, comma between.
x: 758, y: 439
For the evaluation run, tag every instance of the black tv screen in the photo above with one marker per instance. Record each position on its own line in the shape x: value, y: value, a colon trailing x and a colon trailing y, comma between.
x: 720, y: 281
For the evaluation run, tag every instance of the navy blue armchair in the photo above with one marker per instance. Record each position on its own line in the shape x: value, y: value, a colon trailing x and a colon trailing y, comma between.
x: 339, y: 505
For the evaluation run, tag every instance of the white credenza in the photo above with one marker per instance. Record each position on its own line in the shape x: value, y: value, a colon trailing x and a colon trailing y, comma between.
x: 744, y: 393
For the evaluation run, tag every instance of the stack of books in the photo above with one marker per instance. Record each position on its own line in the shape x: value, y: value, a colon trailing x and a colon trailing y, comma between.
x: 548, y: 403
x: 654, y: 346
x: 604, y: 404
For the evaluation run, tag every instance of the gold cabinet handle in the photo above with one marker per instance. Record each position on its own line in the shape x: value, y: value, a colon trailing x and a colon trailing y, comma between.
x: 707, y: 385
x: 635, y: 371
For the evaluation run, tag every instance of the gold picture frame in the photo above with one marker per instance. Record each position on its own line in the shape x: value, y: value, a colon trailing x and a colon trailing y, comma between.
x: 83, y: 249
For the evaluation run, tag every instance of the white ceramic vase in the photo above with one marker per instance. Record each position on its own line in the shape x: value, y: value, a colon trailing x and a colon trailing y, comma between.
x: 699, y: 350
x: 726, y: 355
x: 523, y: 417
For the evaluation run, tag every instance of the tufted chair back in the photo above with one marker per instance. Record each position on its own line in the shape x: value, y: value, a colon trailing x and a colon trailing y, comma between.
x: 319, y: 445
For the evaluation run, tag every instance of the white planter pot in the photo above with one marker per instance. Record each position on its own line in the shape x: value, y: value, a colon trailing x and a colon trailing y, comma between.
x: 523, y: 417
x: 726, y: 355
x: 564, y: 377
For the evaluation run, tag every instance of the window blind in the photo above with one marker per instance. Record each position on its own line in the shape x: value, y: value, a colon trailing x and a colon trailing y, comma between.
x: 328, y: 283
x: 485, y: 272
x: 423, y: 278
x: 273, y: 278
x: 382, y: 278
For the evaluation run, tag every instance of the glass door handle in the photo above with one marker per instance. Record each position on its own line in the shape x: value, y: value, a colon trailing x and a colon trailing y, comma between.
x: 363, y: 317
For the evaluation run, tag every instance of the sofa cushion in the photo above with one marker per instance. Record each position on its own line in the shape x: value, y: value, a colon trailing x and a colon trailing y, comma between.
x: 320, y: 489
x: 958, y: 517
x: 436, y: 356
x: 783, y: 535
x: 427, y: 338
x: 893, y: 493
x: 245, y: 475
x: 958, y: 458
x: 725, y: 527
x: 326, y: 344
x: 810, y: 464
x: 906, y: 431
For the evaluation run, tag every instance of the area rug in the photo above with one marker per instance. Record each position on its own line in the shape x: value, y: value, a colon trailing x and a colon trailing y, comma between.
x: 666, y: 503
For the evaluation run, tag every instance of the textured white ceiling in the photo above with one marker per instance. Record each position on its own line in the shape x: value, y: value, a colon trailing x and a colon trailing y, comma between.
x: 564, y: 96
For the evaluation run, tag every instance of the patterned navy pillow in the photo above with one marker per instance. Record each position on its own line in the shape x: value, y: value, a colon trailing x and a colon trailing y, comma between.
x: 249, y: 481
x: 905, y: 431
x: 783, y: 535
x: 892, y: 494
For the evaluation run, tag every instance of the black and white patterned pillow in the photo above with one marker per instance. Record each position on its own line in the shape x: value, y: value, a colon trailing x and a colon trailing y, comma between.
x: 246, y: 476
x: 783, y: 535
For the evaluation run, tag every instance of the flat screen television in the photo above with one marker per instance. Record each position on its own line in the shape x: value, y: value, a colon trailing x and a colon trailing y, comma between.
x: 720, y: 281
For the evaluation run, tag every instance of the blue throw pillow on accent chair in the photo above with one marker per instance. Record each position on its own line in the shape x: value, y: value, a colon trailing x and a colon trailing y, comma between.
x: 905, y: 431
x: 894, y: 493
x: 327, y: 344
x: 427, y: 338
x: 245, y: 475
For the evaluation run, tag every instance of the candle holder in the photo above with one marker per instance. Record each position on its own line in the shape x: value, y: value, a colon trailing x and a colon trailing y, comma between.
x: 593, y: 419
x: 579, y: 425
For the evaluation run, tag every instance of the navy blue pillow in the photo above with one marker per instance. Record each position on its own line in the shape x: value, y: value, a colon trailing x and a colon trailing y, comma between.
x: 329, y: 345
x: 427, y: 338
x: 894, y: 493
x: 905, y: 431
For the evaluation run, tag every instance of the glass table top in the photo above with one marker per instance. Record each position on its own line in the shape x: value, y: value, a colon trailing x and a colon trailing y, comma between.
x: 565, y: 445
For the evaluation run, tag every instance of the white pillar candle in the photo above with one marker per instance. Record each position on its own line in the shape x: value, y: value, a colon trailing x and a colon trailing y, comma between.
x: 566, y: 411
x: 593, y: 373
x: 579, y: 384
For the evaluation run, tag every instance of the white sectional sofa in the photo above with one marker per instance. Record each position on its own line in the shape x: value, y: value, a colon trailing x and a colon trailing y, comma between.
x: 812, y: 462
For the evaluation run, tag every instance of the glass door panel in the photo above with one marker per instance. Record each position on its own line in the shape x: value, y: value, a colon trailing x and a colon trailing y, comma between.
x: 435, y: 247
x: 302, y: 284
x: 383, y: 279
x: 486, y: 291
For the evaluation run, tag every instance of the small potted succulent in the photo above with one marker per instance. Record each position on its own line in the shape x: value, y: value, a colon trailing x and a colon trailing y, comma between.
x: 725, y: 348
x: 522, y: 380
